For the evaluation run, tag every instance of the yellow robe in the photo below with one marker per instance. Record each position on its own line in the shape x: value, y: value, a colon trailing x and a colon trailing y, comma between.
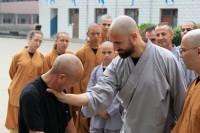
x: 89, y: 61
x: 23, y: 69
x: 189, y: 121
x: 50, y: 58
x: 101, y: 40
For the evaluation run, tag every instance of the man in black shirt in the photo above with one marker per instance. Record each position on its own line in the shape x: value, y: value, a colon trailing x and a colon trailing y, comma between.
x: 40, y: 111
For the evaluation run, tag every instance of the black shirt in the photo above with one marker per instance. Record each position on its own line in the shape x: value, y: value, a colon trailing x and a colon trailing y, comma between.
x: 41, y: 111
x: 135, y: 60
x: 94, y: 50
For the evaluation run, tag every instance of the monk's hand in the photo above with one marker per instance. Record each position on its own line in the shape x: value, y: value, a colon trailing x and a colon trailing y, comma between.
x: 104, y: 115
x: 59, y: 95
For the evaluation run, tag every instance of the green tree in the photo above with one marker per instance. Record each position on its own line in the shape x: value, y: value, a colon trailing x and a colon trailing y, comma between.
x: 198, y: 25
x: 142, y: 27
x: 177, y: 36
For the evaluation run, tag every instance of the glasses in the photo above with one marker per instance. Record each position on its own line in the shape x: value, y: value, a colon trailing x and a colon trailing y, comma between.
x: 183, y: 50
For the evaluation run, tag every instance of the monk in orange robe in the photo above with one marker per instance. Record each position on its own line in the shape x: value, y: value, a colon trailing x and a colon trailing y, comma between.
x: 60, y: 45
x: 105, y: 22
x: 90, y: 56
x: 26, y: 65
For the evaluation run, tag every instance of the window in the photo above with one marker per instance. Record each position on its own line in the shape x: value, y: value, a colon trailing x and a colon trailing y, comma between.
x: 35, y: 18
x: 8, y: 18
x: 133, y: 13
x: 24, y: 19
x: 72, y: 13
x: 170, y: 16
x: 98, y: 13
x: 1, y: 18
x: 7, y: 21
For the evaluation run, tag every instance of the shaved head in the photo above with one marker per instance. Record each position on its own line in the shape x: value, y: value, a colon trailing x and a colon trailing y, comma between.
x: 67, y: 64
x: 188, y: 26
x: 107, y: 44
x: 59, y: 34
x: 124, y: 24
x: 192, y: 38
x: 193, y: 24
x: 93, y: 25
x: 103, y: 17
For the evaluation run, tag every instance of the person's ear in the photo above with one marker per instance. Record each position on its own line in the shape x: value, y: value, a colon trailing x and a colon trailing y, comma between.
x: 172, y: 33
x: 133, y: 35
x: 198, y: 50
x: 62, y: 76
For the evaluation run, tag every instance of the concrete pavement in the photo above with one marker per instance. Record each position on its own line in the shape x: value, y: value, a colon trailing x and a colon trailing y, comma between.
x: 9, y: 46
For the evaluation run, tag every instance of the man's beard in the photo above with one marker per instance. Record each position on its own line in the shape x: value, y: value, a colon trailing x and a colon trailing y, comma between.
x: 127, y: 52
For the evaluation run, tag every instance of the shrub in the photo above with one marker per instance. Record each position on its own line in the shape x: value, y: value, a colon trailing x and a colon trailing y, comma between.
x: 177, y: 32
x: 142, y: 27
x: 177, y: 36
x: 198, y: 25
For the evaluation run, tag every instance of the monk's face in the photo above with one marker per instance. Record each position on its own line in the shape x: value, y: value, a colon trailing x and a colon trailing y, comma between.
x: 35, y: 42
x: 66, y: 81
x: 151, y: 36
x: 93, y: 34
x: 107, y: 53
x: 188, y: 54
x: 105, y: 24
x: 164, y: 36
x: 62, y: 43
x: 122, y: 44
x: 186, y: 28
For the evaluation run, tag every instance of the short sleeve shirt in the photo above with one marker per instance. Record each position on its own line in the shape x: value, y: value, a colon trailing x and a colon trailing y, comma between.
x: 41, y: 111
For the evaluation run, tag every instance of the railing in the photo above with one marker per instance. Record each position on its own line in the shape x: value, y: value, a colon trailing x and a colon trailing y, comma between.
x: 13, y: 29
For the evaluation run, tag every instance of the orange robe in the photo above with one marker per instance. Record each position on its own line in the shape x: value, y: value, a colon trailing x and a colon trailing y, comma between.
x: 89, y: 61
x: 101, y: 40
x: 23, y: 69
x: 50, y: 58
x: 189, y: 121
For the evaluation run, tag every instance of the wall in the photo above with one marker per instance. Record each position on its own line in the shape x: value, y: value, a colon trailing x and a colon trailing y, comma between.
x: 149, y: 11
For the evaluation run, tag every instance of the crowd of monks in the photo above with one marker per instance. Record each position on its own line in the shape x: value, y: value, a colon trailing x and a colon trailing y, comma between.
x: 23, y: 70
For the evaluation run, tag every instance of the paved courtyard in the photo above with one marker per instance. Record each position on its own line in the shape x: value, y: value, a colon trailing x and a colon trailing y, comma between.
x: 9, y: 46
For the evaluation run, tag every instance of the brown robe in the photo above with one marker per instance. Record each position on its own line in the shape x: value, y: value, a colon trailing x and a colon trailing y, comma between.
x: 23, y: 69
x: 89, y: 60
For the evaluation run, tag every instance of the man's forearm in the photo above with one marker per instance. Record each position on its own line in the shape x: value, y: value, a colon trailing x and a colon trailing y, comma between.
x: 72, y: 99
x: 77, y: 99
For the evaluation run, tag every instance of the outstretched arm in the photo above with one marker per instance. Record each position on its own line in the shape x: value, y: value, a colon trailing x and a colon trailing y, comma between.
x: 72, y: 99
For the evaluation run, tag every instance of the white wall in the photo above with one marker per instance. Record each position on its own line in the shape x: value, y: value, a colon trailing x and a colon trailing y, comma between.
x: 149, y: 11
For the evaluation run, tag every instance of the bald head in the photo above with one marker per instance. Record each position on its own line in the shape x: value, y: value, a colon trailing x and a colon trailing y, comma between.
x: 67, y: 64
x: 191, y: 23
x: 92, y: 26
x: 124, y: 24
x: 192, y: 38
x: 107, y: 44
x: 103, y: 17
x: 188, y: 26
x: 107, y: 53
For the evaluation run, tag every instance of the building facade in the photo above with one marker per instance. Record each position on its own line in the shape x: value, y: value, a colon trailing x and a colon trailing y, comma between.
x: 18, y: 16
x: 64, y: 15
